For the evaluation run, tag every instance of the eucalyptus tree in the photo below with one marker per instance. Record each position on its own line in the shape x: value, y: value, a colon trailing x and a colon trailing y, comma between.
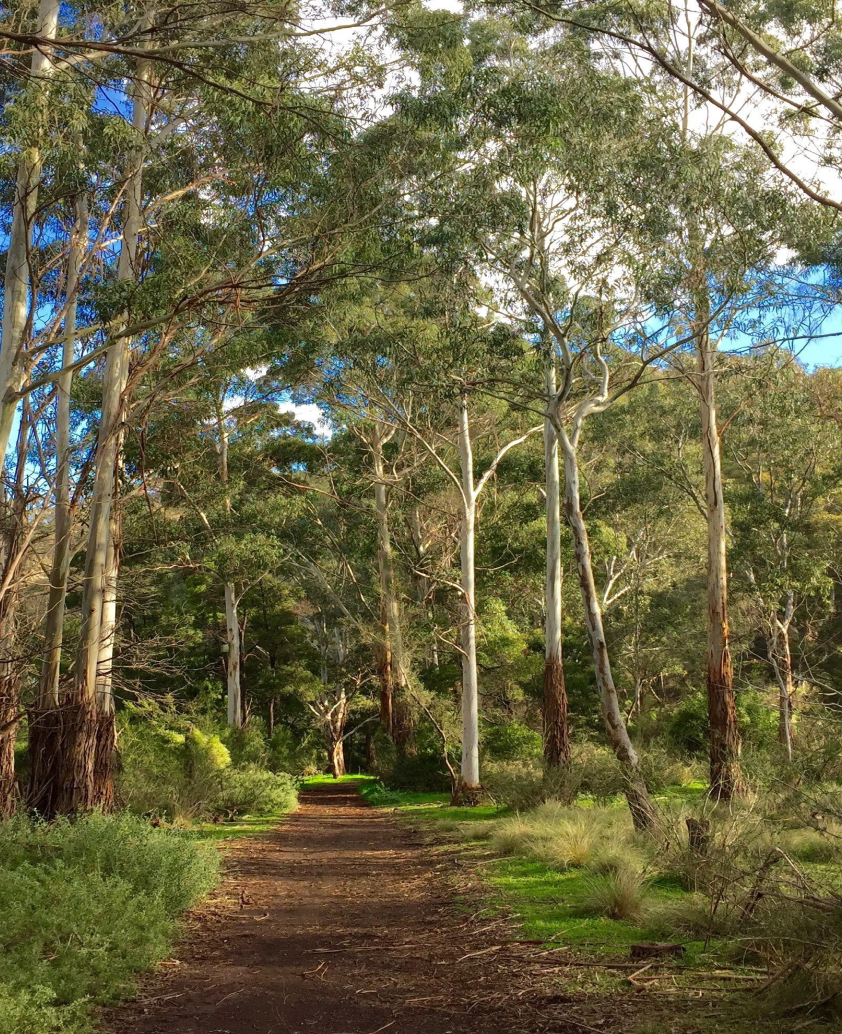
x: 548, y: 146
x: 419, y: 415
x: 194, y: 246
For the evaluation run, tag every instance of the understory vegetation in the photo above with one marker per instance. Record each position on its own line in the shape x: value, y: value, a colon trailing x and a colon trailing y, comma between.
x: 84, y: 906
x: 88, y: 903
x: 751, y: 892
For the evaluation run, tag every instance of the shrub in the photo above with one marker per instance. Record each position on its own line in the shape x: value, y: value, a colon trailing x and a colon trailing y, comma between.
x: 84, y: 905
x: 256, y: 791
x: 247, y: 744
x: 298, y: 754
x: 189, y: 775
x: 514, y: 784
x: 424, y: 771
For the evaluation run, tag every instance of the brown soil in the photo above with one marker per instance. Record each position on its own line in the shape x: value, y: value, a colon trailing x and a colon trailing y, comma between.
x: 342, y: 922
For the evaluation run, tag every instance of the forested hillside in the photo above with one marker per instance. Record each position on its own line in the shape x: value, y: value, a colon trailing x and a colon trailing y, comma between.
x: 448, y: 394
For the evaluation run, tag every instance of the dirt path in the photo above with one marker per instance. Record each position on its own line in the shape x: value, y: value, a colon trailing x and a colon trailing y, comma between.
x: 342, y: 922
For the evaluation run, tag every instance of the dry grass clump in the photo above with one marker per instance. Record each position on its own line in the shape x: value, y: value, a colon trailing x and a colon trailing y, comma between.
x: 512, y: 836
x: 620, y: 894
x: 601, y: 839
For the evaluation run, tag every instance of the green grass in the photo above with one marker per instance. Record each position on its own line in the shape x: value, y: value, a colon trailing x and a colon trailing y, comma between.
x: 234, y: 829
x: 322, y: 779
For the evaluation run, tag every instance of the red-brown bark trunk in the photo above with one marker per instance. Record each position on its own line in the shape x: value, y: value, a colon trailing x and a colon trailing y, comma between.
x: 556, y: 725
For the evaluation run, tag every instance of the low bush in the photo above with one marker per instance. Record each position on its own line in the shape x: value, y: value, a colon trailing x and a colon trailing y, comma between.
x: 83, y: 907
x: 419, y: 772
x: 515, y: 784
x: 256, y: 791
x: 186, y: 774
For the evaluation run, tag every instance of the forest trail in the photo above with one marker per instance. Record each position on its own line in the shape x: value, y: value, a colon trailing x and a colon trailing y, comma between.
x: 341, y: 922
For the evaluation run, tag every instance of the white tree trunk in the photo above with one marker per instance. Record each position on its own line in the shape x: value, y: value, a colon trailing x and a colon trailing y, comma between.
x: 108, y: 626
x: 467, y: 537
x: 780, y: 657
x: 232, y: 662
x: 54, y: 623
x: 642, y: 810
x: 109, y: 437
x: 17, y: 287
x: 232, y: 621
x: 556, y: 733
x: 725, y: 777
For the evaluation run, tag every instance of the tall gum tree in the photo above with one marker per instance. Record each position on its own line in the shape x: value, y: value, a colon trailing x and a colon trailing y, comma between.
x: 469, y: 488
x: 556, y: 727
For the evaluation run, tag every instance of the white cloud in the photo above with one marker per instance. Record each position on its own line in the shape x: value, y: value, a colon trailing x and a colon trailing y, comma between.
x: 311, y: 414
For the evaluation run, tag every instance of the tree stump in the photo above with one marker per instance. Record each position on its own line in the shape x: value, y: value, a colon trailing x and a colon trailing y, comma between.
x: 698, y: 835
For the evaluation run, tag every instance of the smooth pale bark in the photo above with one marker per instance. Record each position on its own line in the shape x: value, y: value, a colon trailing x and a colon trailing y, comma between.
x: 337, y: 759
x: 232, y: 620
x: 335, y: 718
x: 725, y: 778
x: 48, y: 693
x: 108, y: 627
x: 88, y: 734
x: 555, y: 716
x: 232, y: 660
x: 16, y: 301
x: 467, y: 543
x: 640, y: 804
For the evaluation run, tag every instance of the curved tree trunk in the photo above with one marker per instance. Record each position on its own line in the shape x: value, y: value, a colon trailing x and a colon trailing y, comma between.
x: 555, y: 717
x: 640, y: 804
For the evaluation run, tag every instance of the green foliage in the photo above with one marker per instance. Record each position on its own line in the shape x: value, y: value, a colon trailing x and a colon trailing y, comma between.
x: 511, y: 742
x: 83, y: 907
x: 254, y: 791
x: 186, y: 776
